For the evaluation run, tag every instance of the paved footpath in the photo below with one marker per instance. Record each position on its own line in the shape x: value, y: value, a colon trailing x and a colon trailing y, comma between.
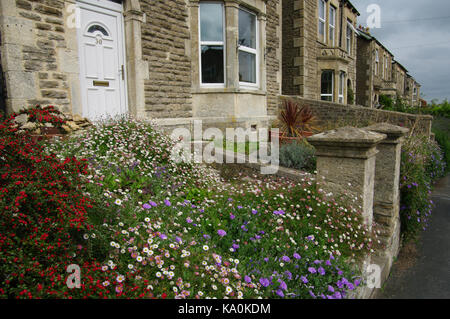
x: 428, y: 276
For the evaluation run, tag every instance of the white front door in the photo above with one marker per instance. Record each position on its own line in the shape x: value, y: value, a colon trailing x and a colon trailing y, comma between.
x: 102, y: 62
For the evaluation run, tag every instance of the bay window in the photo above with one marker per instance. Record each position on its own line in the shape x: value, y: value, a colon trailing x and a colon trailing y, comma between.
x: 322, y: 19
x: 332, y: 24
x: 247, y: 48
x: 327, y: 86
x: 212, y: 44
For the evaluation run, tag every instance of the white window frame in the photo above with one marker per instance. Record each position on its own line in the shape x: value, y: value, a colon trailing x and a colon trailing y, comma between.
x: 332, y: 27
x: 212, y: 43
x: 341, y: 87
x: 251, y: 51
x: 377, y: 60
x: 332, y: 86
x: 386, y: 69
x: 349, y: 38
x: 323, y: 21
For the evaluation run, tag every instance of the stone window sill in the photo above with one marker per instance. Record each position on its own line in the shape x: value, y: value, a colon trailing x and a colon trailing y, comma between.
x: 227, y: 91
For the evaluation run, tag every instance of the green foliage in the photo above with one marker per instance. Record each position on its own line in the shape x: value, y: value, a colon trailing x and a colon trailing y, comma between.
x: 422, y: 164
x: 350, y: 95
x: 443, y: 140
x: 442, y: 109
x: 386, y: 101
x: 298, y: 155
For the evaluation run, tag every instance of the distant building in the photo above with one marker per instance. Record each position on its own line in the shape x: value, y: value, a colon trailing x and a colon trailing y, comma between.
x: 319, y: 49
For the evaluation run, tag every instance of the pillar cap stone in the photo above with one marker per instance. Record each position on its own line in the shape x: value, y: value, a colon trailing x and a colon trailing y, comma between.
x: 347, y: 136
x: 347, y: 142
x: 394, y: 133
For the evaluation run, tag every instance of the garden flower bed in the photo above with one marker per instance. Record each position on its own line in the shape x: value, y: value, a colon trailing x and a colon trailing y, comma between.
x: 147, y: 227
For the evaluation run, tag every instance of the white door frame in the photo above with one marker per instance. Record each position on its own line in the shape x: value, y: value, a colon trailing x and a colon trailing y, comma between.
x: 105, y: 7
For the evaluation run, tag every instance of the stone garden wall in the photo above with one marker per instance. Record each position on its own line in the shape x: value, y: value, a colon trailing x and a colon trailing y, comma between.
x: 331, y: 115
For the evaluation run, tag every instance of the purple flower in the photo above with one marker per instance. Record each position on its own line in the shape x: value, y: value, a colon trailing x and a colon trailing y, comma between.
x: 338, y: 295
x: 153, y: 203
x: 297, y: 256
x: 232, y: 216
x: 288, y: 274
x: 328, y: 263
x: 280, y: 293
x: 167, y: 202
x: 247, y: 279
x: 163, y: 236
x: 321, y: 271
x: 266, y: 259
x: 278, y: 212
x: 312, y: 270
x: 239, y: 207
x: 286, y: 259
x: 312, y: 294
x: 235, y: 246
x: 146, y: 206
x: 189, y: 220
x: 264, y: 281
x: 350, y: 286
x: 283, y: 285
x: 178, y: 239
x: 330, y: 288
x: 221, y: 232
x: 254, y: 211
x: 304, y: 279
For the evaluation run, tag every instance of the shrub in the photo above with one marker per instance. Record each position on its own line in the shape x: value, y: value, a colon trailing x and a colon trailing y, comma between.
x: 298, y: 155
x: 44, y: 216
x: 294, y: 120
x: 421, y: 165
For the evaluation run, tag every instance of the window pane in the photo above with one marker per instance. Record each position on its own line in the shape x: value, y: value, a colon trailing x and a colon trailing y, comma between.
x: 211, y: 22
x: 247, y: 67
x: 322, y: 9
x: 321, y: 28
x: 332, y: 16
x: 212, y: 64
x: 327, y: 98
x: 247, y: 29
x: 327, y: 82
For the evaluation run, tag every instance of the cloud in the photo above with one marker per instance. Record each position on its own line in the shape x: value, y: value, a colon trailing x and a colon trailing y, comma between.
x: 418, y: 34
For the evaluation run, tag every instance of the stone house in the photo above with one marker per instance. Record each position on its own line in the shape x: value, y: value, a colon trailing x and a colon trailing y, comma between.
x: 378, y: 73
x: 319, y: 49
x: 400, y: 74
x: 174, y: 61
x: 375, y: 71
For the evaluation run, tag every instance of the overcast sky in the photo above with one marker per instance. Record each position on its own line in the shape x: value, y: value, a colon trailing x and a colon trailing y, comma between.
x: 417, y: 32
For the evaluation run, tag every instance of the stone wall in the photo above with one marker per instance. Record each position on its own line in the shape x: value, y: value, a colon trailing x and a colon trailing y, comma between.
x: 33, y: 35
x: 363, y: 72
x: 164, y: 45
x: 273, y: 54
x: 331, y: 115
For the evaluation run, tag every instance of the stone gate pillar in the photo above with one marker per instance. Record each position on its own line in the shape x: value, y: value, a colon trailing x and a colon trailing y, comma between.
x: 346, y: 161
x: 386, y: 205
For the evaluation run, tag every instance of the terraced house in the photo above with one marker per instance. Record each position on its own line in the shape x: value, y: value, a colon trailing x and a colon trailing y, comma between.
x: 175, y: 61
x: 319, y: 49
x: 379, y: 74
x: 222, y: 61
